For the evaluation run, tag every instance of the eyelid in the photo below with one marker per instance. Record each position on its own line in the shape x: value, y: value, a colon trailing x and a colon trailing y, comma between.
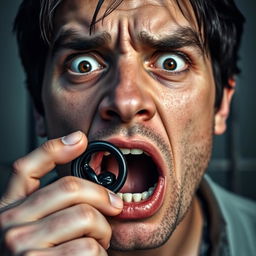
x: 173, y: 52
x: 79, y: 54
x: 157, y: 55
x: 86, y: 79
x: 95, y: 55
x: 72, y: 57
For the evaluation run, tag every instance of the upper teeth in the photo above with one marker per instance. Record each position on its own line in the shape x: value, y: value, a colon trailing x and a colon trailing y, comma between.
x: 127, y: 151
x: 133, y: 151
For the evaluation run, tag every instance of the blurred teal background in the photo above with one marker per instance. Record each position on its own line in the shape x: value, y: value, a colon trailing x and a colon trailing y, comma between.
x: 234, y: 156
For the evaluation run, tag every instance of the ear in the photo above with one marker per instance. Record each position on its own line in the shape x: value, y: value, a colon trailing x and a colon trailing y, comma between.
x: 39, y: 124
x: 222, y: 114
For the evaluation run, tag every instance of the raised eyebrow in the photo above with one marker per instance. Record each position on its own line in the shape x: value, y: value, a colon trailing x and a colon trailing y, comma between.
x: 182, y: 37
x: 71, y: 39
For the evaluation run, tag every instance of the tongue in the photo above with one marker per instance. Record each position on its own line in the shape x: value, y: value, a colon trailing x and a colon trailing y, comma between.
x: 141, y: 172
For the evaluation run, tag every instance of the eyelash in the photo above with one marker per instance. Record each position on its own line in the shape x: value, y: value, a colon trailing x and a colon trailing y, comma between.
x: 74, y: 56
x: 83, y: 68
x: 180, y: 54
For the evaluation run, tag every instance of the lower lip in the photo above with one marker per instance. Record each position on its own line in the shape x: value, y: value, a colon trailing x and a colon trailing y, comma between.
x: 147, y: 208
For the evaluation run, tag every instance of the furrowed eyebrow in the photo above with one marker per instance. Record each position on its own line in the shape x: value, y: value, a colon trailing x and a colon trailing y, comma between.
x: 182, y: 37
x: 71, y: 39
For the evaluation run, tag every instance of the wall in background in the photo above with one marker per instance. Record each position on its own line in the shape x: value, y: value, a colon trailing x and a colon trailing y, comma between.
x: 13, y: 98
x: 234, y: 156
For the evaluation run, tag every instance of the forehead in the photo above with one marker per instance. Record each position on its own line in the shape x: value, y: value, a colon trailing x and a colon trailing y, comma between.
x: 158, y: 17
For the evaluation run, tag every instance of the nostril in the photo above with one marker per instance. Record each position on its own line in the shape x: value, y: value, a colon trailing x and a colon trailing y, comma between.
x: 111, y: 114
x: 142, y: 112
x: 127, y: 107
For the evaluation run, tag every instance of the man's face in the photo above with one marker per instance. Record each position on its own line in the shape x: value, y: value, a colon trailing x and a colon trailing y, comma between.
x: 142, y: 81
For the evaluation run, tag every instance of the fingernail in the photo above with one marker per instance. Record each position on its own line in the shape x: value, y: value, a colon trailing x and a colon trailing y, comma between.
x: 115, y: 201
x: 72, y: 138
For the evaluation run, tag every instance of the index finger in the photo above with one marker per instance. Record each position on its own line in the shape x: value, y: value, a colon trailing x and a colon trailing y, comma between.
x: 28, y: 170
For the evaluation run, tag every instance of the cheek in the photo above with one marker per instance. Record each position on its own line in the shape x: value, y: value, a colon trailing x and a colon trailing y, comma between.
x: 190, y: 109
x: 189, y: 125
x: 67, y: 111
x: 199, y: 116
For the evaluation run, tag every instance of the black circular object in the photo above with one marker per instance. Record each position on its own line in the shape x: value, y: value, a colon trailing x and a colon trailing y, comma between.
x: 81, y: 168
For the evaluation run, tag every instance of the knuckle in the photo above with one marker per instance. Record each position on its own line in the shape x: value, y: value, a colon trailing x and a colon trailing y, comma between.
x: 11, y: 239
x: 70, y: 184
x: 16, y: 238
x: 18, y: 166
x: 92, y: 246
x: 48, y: 146
x: 87, y: 213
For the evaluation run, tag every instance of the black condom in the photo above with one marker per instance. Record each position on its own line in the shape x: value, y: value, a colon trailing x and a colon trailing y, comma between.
x: 82, y: 169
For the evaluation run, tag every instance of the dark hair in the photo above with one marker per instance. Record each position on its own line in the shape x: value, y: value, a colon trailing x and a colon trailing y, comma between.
x: 220, y: 21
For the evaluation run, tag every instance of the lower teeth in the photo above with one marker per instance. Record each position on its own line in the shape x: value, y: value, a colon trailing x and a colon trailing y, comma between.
x: 136, y: 197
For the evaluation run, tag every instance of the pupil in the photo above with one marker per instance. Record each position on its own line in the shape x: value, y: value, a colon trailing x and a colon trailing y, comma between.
x: 170, y: 64
x: 84, y: 67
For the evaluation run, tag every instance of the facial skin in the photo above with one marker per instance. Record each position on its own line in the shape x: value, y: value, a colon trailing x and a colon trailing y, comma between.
x: 130, y: 98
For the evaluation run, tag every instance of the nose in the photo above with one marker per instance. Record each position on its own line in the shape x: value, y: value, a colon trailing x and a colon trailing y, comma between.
x: 129, y: 99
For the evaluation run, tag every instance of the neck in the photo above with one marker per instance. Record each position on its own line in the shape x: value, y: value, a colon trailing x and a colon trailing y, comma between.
x: 185, y: 240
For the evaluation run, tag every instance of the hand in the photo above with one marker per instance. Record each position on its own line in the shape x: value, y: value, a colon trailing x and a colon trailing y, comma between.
x: 65, y: 217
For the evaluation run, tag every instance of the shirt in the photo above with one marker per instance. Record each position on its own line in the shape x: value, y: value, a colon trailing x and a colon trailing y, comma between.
x: 229, y: 222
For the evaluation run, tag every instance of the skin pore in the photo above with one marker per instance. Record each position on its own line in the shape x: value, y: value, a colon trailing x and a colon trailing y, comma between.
x: 130, y: 95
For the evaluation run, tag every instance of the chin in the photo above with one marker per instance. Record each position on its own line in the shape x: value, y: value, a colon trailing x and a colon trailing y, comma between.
x: 150, y: 232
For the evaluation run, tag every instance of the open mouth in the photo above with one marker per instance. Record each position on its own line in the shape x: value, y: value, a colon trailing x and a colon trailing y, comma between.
x: 143, y: 190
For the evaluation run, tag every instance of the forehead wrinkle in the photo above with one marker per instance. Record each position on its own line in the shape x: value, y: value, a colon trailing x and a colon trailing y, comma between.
x: 140, y: 17
x: 126, y: 37
x: 178, y: 38
x: 130, y: 24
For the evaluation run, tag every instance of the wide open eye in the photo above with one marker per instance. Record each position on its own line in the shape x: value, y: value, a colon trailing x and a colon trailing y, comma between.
x: 84, y: 64
x: 171, y: 62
